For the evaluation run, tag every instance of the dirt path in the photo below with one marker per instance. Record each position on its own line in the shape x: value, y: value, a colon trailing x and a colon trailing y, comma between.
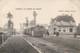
x: 48, y: 46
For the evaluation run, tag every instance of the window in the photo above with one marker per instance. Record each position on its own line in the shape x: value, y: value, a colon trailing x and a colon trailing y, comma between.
x: 64, y: 30
x: 59, y: 30
x: 71, y: 30
x: 54, y: 29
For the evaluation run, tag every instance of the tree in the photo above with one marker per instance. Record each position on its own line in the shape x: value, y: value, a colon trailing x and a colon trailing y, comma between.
x: 34, y: 14
x: 9, y: 16
x: 10, y: 23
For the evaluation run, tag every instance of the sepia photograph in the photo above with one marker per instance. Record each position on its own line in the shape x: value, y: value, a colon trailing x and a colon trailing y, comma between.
x: 39, y: 26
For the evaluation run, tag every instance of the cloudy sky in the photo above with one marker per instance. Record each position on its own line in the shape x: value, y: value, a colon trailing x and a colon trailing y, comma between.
x: 48, y: 9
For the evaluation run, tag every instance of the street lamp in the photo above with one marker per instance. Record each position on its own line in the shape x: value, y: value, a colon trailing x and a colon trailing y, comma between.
x: 27, y: 25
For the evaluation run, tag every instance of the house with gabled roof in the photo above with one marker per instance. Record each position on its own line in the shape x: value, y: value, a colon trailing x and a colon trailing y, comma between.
x: 64, y: 24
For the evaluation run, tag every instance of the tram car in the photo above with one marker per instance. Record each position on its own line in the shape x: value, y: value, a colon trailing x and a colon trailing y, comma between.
x: 37, y: 31
x: 26, y: 32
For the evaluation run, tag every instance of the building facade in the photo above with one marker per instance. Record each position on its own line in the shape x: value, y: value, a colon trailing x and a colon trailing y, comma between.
x: 64, y: 24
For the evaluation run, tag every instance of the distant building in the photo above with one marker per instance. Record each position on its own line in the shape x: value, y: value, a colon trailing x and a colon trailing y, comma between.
x: 64, y: 24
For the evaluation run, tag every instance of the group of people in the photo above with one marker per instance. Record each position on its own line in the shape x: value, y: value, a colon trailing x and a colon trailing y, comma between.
x: 57, y: 34
x: 47, y: 33
x: 75, y: 34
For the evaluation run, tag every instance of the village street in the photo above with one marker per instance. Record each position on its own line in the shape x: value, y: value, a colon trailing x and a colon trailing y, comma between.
x: 53, y: 44
x: 16, y: 44
x: 40, y: 26
x: 48, y: 44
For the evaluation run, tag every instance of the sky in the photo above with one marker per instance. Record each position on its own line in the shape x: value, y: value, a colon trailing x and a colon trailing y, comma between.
x: 47, y: 9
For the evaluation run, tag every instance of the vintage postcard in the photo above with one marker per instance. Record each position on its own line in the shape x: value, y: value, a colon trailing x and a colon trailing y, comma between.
x: 39, y: 26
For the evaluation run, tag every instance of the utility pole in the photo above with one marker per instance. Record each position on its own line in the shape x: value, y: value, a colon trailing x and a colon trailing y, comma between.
x: 27, y: 25
x: 27, y: 22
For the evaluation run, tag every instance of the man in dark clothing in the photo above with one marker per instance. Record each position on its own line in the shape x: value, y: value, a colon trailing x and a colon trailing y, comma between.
x: 75, y: 35
x: 57, y: 33
x: 47, y: 33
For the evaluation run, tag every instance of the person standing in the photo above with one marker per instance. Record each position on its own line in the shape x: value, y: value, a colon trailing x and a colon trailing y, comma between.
x: 47, y: 33
x: 75, y: 35
x: 57, y: 33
